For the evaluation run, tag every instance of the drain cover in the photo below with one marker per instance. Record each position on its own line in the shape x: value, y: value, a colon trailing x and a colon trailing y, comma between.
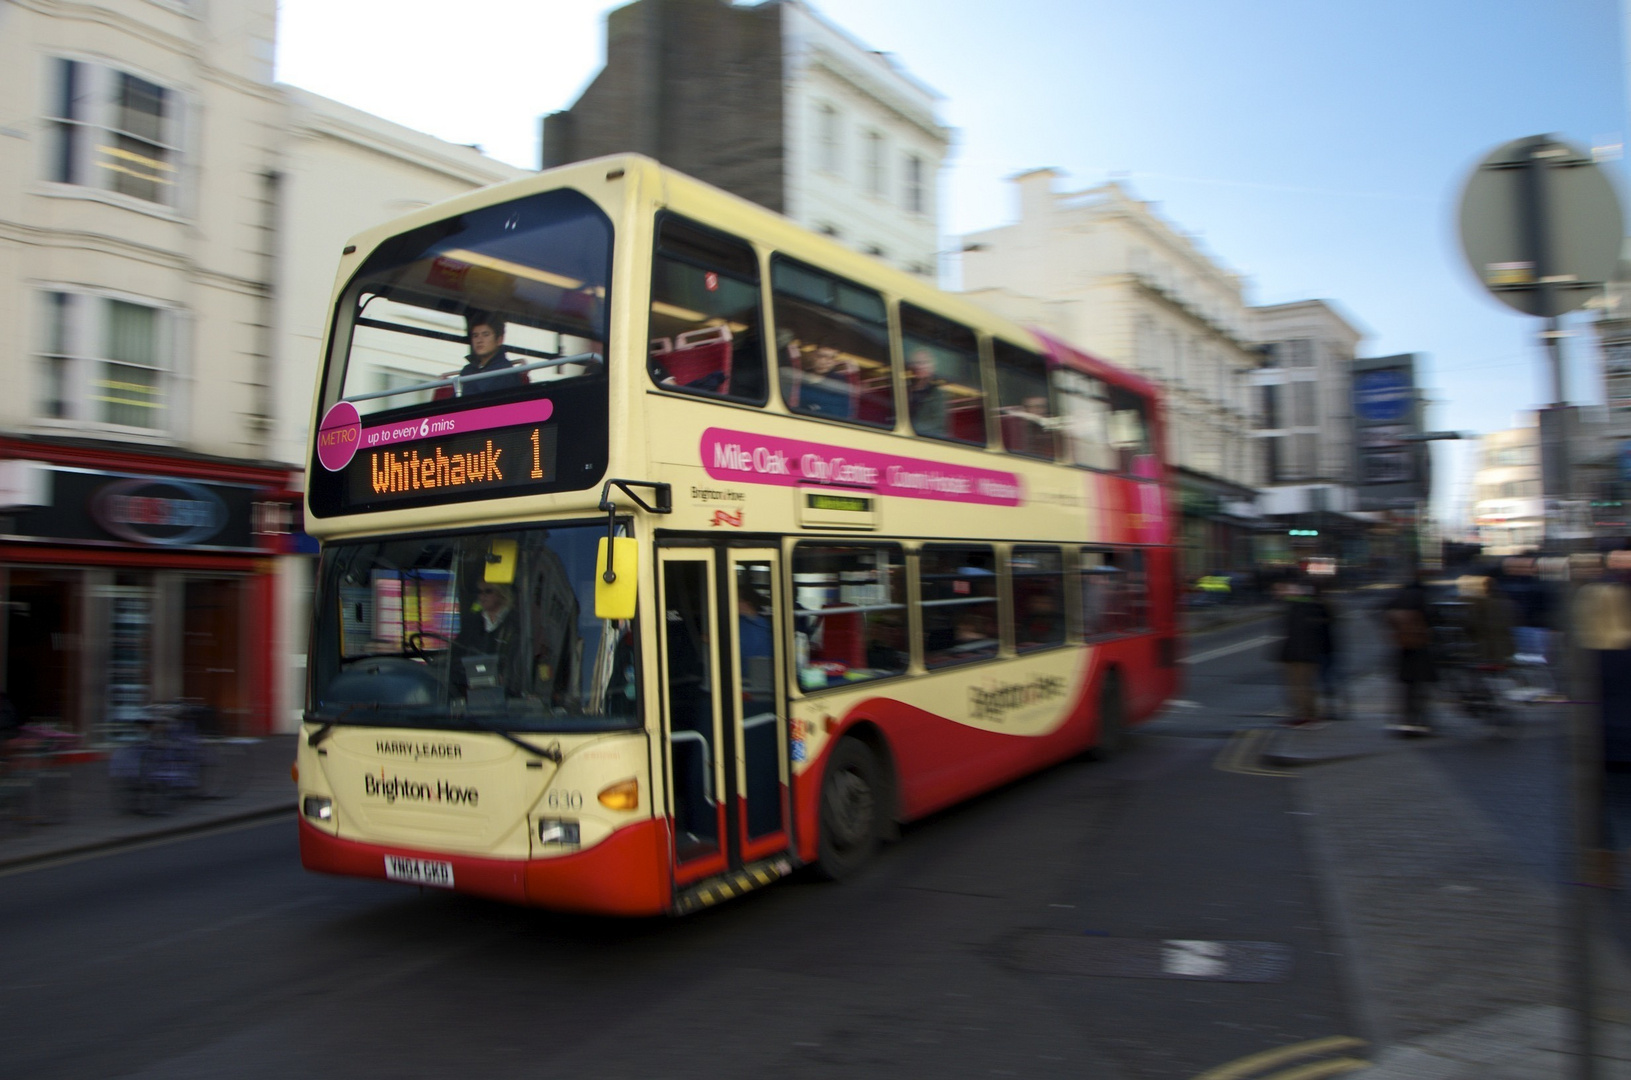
x: 1138, y: 958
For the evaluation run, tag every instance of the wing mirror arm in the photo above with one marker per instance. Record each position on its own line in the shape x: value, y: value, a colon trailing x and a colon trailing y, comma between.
x: 662, y: 503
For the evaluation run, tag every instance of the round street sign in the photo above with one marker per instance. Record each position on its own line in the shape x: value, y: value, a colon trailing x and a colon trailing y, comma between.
x: 1540, y: 225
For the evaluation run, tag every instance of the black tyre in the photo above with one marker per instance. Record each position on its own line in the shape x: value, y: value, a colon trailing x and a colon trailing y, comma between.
x: 1112, y: 720
x: 851, y: 810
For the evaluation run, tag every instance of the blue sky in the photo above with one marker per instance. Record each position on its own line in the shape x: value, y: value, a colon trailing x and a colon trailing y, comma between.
x: 1318, y: 147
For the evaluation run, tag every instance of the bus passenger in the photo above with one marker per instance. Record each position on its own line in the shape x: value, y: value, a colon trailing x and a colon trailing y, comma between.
x: 925, y: 391
x: 487, y: 354
x: 826, y: 388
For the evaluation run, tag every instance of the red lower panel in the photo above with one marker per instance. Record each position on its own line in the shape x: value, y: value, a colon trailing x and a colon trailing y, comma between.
x: 626, y: 874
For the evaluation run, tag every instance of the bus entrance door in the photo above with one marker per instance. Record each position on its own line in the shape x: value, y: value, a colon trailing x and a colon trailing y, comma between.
x: 757, y: 709
x: 696, y: 772
x: 725, y: 693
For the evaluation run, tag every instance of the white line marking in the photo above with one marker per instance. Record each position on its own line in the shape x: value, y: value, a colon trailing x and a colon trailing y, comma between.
x: 1225, y: 650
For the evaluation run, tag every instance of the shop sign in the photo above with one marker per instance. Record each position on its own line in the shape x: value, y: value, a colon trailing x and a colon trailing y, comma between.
x: 171, y: 513
x: 94, y: 507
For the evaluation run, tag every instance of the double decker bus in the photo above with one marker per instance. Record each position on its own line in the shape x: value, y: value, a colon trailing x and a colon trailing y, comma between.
x: 668, y: 547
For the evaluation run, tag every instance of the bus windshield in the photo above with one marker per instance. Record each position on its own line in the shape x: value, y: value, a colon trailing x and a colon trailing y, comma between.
x: 490, y: 629
x: 498, y: 301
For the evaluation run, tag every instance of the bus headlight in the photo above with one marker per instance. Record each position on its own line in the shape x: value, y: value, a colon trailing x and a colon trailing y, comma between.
x: 317, y: 808
x: 623, y: 795
x: 557, y: 831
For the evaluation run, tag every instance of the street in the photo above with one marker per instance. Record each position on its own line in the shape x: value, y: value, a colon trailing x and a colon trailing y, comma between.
x: 1031, y: 932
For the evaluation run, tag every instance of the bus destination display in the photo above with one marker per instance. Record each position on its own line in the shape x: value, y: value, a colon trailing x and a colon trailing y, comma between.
x: 480, y: 461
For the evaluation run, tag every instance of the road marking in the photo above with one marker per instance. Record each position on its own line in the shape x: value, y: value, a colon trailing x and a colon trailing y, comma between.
x: 1243, y: 754
x: 1253, y: 1065
x: 1226, y: 650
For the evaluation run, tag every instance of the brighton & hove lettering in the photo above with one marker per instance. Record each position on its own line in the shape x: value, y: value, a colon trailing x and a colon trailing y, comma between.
x: 393, y: 788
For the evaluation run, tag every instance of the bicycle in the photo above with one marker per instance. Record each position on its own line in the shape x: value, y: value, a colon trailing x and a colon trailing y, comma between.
x: 166, y: 760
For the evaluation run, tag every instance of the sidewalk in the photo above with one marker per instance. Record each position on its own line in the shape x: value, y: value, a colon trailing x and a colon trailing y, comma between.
x: 255, y: 785
x: 1457, y: 954
x: 1209, y: 617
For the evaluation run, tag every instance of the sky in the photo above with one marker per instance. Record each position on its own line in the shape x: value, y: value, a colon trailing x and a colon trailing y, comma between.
x: 1317, y: 147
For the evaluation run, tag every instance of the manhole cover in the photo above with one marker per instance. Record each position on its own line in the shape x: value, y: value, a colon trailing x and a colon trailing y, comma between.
x: 1139, y: 958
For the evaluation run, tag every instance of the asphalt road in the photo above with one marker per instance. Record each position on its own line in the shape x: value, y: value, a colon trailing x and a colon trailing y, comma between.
x: 1011, y: 936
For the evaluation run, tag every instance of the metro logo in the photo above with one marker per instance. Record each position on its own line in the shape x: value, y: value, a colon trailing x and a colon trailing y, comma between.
x: 393, y: 788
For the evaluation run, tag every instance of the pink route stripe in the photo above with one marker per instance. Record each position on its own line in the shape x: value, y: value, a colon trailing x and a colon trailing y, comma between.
x: 763, y: 459
x: 459, y: 423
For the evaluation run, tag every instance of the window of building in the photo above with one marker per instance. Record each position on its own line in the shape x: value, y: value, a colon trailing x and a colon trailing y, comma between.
x: 832, y: 346
x: 850, y: 613
x: 944, y: 387
x: 1029, y: 424
x: 705, y: 331
x: 959, y: 588
x: 106, y: 361
x: 1273, y: 467
x: 1306, y: 447
x: 1038, y: 576
x: 876, y: 182
x: 830, y: 138
x: 1303, y: 412
x: 1114, y: 592
x: 1268, y: 406
x: 914, y: 200
x: 114, y: 131
x: 1299, y: 352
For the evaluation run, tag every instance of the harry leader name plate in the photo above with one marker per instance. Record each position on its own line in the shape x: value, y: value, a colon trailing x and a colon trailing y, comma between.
x: 479, y: 461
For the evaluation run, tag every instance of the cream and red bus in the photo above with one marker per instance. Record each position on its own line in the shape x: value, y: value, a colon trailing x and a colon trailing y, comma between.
x: 668, y: 547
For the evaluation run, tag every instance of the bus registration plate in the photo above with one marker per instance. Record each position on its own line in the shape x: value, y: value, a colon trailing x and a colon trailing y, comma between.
x: 419, y: 871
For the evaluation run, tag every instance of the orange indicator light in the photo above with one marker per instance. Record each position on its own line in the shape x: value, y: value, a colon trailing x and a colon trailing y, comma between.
x: 623, y: 795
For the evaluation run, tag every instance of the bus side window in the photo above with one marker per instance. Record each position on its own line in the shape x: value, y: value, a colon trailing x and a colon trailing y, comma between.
x: 832, y: 346
x: 1029, y: 424
x: 944, y: 387
x: 1129, y: 429
x: 850, y: 611
x: 705, y: 332
x: 1115, y: 592
x: 1084, y: 417
x: 959, y: 587
x: 1039, y: 597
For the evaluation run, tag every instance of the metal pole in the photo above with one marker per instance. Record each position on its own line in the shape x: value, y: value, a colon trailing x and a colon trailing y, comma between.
x: 1580, y: 724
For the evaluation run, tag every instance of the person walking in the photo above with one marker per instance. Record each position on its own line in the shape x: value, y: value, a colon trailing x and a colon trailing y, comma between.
x: 1300, y: 653
x: 1329, y: 664
x: 1407, y: 617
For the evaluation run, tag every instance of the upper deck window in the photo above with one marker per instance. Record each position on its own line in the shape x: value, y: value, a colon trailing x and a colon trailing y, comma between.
x: 1028, y: 418
x: 832, y: 346
x: 1106, y: 427
x: 468, y: 361
x: 496, y: 302
x: 943, y: 382
x: 705, y: 329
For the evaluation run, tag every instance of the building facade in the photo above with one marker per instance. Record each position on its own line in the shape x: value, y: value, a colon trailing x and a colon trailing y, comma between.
x: 169, y: 223
x: 1102, y: 270
x: 1303, y: 432
x: 1509, y: 510
x: 772, y: 103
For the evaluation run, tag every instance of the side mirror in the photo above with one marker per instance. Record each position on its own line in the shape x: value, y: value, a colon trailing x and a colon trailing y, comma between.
x: 615, y: 599
x: 500, y: 567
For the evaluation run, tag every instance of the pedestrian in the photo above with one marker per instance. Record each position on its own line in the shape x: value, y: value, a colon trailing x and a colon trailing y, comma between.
x: 1300, y: 653
x: 1407, y: 617
x: 1330, y: 652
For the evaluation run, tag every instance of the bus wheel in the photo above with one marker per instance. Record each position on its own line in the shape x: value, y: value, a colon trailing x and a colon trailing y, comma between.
x: 850, y: 803
x: 1112, y: 728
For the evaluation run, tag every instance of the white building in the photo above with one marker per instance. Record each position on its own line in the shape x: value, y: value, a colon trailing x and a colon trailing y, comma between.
x: 780, y: 107
x: 1509, y: 511
x: 1102, y: 270
x: 169, y: 225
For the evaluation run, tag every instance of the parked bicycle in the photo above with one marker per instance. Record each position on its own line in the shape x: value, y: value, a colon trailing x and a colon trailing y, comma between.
x: 33, y: 787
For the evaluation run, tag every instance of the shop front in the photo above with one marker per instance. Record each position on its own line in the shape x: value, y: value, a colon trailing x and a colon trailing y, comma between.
x: 128, y: 578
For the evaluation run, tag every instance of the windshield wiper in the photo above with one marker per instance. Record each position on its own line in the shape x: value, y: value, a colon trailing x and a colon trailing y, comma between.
x: 329, y: 725
x: 552, y: 752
